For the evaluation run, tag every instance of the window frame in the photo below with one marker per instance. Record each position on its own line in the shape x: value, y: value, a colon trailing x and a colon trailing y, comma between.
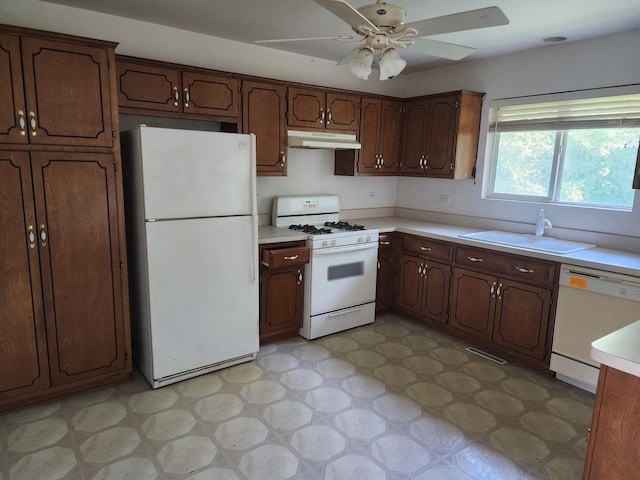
x: 555, y: 178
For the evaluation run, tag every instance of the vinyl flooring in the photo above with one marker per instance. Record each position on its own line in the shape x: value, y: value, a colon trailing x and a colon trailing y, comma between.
x: 392, y: 400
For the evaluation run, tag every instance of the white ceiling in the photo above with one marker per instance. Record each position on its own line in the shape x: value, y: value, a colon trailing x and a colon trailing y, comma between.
x: 250, y: 20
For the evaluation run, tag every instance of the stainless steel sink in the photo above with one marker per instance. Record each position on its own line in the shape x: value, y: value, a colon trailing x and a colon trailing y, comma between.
x: 529, y: 242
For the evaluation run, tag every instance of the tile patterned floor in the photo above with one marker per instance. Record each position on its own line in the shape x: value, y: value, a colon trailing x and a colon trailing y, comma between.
x: 392, y: 400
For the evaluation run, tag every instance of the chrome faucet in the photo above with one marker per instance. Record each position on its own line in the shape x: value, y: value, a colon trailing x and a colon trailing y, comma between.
x: 542, y: 223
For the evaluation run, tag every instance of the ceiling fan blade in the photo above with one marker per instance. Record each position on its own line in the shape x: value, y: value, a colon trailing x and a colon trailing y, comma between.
x: 435, y: 48
x: 347, y: 13
x: 281, y: 40
x: 469, y: 20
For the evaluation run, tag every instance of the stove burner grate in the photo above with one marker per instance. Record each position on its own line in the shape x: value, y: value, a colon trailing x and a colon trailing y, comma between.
x: 344, y: 226
x: 311, y: 229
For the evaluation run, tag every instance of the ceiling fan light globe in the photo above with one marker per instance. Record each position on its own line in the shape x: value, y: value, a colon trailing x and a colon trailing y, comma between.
x: 391, y: 64
x: 361, y: 65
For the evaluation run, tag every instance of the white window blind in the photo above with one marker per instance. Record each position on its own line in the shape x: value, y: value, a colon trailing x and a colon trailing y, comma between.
x: 620, y: 111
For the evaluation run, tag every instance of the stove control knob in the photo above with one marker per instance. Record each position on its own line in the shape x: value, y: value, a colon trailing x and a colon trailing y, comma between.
x: 325, y: 244
x: 368, y: 238
x: 333, y: 242
x: 359, y: 239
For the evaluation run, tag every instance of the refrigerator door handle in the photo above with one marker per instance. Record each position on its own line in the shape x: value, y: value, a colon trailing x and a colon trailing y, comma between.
x: 254, y: 228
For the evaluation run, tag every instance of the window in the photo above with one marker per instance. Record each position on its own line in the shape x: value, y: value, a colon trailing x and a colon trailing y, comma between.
x: 576, y: 152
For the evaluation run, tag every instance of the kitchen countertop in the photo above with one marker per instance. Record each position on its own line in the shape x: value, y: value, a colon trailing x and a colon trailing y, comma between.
x: 599, y: 258
x: 620, y: 349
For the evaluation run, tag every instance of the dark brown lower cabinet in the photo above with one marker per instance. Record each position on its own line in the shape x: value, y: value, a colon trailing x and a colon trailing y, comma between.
x: 385, y: 285
x: 424, y: 288
x: 63, y: 305
x: 282, y: 290
x: 613, y: 450
x: 512, y: 315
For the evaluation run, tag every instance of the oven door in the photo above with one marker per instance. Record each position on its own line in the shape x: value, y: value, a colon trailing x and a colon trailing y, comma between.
x: 342, y: 277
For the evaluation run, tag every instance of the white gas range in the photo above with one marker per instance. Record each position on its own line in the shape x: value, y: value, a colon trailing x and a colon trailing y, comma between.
x: 340, y: 285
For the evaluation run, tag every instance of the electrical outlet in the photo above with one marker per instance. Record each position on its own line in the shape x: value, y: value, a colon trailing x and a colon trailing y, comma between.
x: 372, y: 194
x: 445, y: 199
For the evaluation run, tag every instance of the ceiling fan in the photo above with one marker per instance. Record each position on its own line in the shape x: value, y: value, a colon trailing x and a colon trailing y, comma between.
x: 381, y: 26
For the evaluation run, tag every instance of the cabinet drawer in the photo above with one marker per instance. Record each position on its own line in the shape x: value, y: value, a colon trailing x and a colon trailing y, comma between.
x: 527, y: 270
x: 427, y: 248
x: 385, y: 242
x: 285, y: 257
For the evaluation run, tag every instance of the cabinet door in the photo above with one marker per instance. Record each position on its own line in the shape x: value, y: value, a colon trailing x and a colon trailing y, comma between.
x: 281, y: 302
x: 390, y: 132
x: 264, y: 112
x: 23, y: 348
x: 441, y: 134
x: 384, y: 283
x: 67, y: 89
x: 12, y: 110
x: 209, y: 94
x: 613, y: 452
x: 414, y: 136
x: 472, y: 304
x: 148, y: 87
x: 435, y: 293
x: 522, y: 317
x: 410, y: 284
x: 370, y: 136
x: 306, y: 108
x: 343, y: 112
x: 78, y: 234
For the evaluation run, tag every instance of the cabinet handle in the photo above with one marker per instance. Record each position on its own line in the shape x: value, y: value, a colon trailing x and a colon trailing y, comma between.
x: 283, y: 158
x: 33, y: 123
x: 31, y: 237
x: 328, y: 117
x: 322, y: 115
x: 186, y: 98
x: 22, y: 123
x: 498, y: 292
x: 176, y: 96
x: 475, y: 259
x: 43, y: 236
x: 524, y: 270
x: 385, y: 243
x: 451, y: 166
x: 292, y: 257
x: 299, y: 277
x: 378, y: 264
x: 420, y: 269
x: 381, y: 160
x: 493, y: 289
x: 425, y: 249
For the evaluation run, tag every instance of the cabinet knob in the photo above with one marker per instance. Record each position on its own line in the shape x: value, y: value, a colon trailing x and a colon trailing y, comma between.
x: 22, y: 122
x: 43, y: 236
x: 187, y: 97
x: 33, y: 123
x: 31, y: 237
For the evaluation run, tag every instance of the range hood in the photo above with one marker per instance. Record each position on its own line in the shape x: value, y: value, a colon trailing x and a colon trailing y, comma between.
x: 332, y: 141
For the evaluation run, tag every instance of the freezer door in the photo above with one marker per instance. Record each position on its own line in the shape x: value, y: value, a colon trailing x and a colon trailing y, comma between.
x: 203, y: 292
x: 191, y: 174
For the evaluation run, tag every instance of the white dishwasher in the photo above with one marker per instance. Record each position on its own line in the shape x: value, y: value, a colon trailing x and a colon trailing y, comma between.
x: 591, y: 304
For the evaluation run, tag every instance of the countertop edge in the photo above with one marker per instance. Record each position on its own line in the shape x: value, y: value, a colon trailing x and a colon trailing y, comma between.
x: 620, y: 349
x: 616, y: 261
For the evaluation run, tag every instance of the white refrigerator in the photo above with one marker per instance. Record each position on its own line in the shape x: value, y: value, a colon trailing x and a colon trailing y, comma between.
x: 192, y: 234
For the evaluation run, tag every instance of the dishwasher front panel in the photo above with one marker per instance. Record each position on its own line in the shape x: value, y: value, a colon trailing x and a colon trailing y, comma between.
x: 591, y: 304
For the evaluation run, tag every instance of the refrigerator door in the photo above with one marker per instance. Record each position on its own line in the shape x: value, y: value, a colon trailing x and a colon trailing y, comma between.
x: 192, y: 174
x: 203, y: 292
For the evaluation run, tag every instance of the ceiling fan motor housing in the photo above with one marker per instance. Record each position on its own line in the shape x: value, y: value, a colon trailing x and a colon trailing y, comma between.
x: 383, y: 14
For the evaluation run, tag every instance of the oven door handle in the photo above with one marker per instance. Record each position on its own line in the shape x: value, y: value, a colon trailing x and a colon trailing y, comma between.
x: 344, y: 249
